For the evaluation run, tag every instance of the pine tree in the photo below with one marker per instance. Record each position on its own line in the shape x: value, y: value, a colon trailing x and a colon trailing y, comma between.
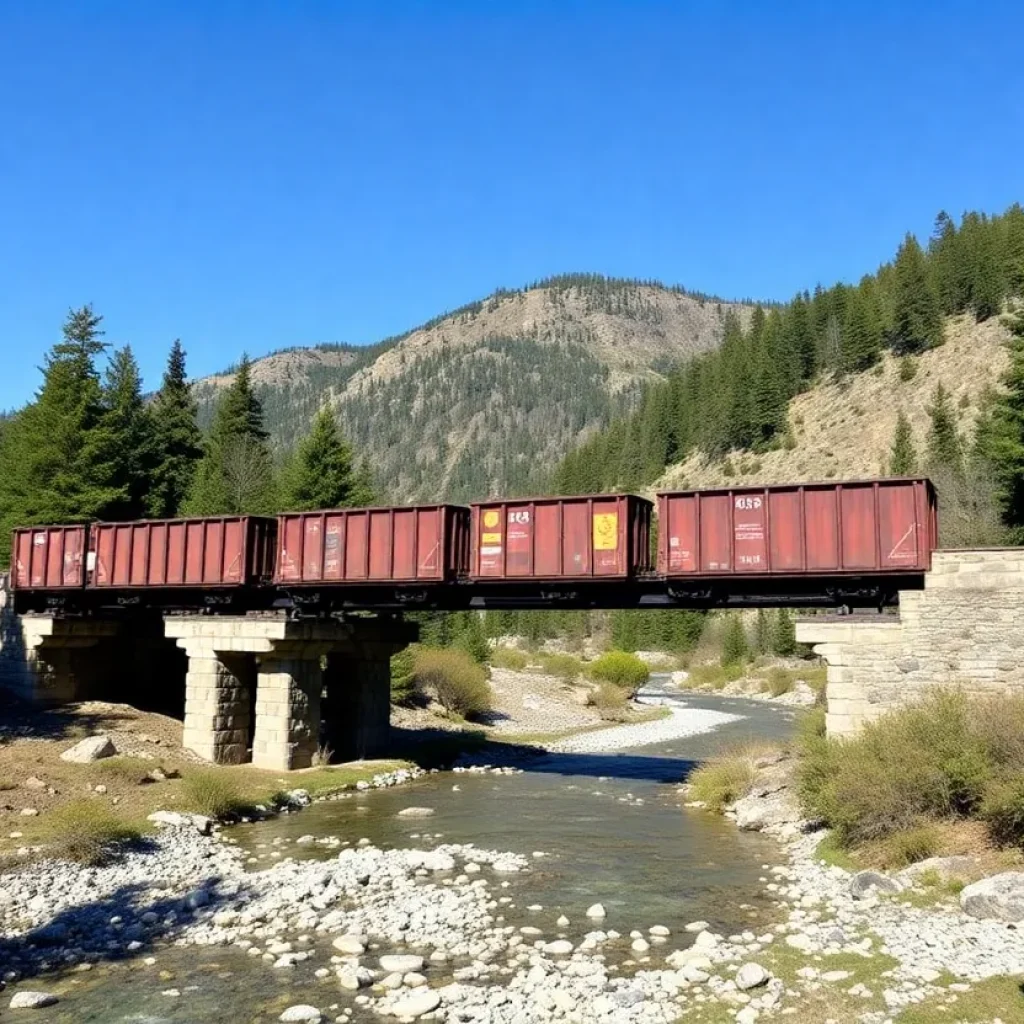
x: 735, y: 648
x: 903, y: 458
x: 322, y: 475
x: 784, y: 634
x: 235, y: 474
x: 1013, y: 258
x: 944, y: 448
x: 1003, y: 441
x: 918, y: 318
x: 986, y: 274
x: 177, y: 441
x: 949, y: 263
x: 763, y: 632
x: 129, y: 427
x: 800, y: 338
x: 57, y: 458
x: 863, y: 341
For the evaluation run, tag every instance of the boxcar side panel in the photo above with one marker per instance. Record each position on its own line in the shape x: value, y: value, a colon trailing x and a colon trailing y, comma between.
x: 48, y: 557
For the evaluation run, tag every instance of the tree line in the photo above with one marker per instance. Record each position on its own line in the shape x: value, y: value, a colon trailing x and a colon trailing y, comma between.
x: 91, y: 446
x: 737, y: 396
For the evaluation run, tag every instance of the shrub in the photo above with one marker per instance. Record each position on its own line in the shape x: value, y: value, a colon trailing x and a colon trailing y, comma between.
x: 903, y: 848
x: 779, y: 681
x: 88, y: 833
x: 722, y: 780
x: 565, y: 666
x: 1003, y: 811
x: 509, y: 657
x: 455, y: 679
x: 212, y: 793
x: 403, y: 680
x: 129, y: 770
x: 908, y: 369
x: 611, y: 701
x: 620, y: 669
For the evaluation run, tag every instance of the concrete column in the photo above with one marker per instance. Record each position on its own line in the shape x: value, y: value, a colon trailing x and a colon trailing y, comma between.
x: 47, y: 660
x: 358, y: 702
x: 216, y: 705
x: 288, y: 707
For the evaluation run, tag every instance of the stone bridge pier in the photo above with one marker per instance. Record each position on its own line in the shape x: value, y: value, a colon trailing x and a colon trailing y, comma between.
x: 278, y: 688
x: 964, y: 629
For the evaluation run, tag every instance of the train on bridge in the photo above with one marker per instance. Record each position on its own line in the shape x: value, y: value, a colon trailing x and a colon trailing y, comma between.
x: 850, y: 543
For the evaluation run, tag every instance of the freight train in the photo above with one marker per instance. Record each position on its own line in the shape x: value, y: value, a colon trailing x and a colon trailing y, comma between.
x: 849, y: 542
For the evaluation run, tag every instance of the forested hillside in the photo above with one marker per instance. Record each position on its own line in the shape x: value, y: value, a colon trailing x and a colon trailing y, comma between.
x: 487, y: 399
x: 890, y: 375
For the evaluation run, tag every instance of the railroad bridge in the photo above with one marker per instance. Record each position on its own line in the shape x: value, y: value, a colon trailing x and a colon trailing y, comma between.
x: 278, y: 685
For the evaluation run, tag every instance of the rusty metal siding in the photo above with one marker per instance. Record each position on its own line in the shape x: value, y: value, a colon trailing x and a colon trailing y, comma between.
x: 426, y: 543
x: 596, y: 536
x: 49, y: 558
x: 857, y: 527
x: 221, y: 551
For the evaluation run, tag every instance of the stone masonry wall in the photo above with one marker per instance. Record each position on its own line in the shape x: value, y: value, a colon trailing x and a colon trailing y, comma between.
x: 965, y: 629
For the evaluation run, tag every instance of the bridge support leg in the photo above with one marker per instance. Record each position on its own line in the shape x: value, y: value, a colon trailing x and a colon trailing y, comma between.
x: 217, y: 705
x: 357, y: 712
x: 288, y: 707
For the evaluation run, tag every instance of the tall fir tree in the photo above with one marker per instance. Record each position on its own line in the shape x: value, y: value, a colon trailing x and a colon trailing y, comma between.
x: 944, y: 446
x: 918, y: 318
x: 321, y: 475
x: 863, y: 331
x: 177, y: 440
x: 57, y: 458
x: 903, y: 457
x: 235, y: 474
x: 950, y: 270
x: 1003, y: 438
x: 130, y: 435
x: 986, y: 278
x: 1013, y: 250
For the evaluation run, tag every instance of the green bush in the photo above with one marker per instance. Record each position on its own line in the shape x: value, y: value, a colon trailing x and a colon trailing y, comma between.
x: 457, y: 681
x: 611, y: 701
x: 780, y: 681
x: 403, y: 681
x: 723, y: 780
x: 509, y: 657
x: 620, y: 669
x: 213, y: 793
x: 565, y: 666
x: 908, y: 369
x: 1002, y: 810
x: 88, y: 833
x: 903, y: 848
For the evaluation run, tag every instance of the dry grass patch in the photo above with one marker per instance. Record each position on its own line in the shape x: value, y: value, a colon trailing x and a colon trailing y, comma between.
x: 86, y: 831
x: 726, y: 778
x: 510, y: 658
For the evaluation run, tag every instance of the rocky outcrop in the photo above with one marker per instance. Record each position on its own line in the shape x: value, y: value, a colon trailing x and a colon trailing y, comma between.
x: 1000, y: 897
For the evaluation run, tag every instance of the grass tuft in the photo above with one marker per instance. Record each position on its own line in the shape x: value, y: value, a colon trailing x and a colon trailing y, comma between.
x: 88, y: 833
x: 212, y: 793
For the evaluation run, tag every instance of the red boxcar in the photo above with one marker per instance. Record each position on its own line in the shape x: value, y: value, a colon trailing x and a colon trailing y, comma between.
x: 222, y: 551
x: 607, y: 536
x: 422, y: 544
x: 49, y: 557
x: 863, y: 527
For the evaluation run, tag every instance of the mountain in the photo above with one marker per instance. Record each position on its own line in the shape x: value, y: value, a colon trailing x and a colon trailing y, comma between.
x: 844, y: 430
x: 485, y: 400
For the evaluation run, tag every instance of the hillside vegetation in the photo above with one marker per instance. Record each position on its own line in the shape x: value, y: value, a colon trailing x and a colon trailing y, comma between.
x: 486, y: 399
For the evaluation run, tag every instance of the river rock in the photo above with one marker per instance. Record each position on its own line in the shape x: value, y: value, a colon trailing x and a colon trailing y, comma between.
x: 94, y: 748
x: 596, y: 911
x: 301, y: 1014
x: 560, y: 947
x: 175, y: 819
x: 755, y: 813
x: 353, y: 945
x: 401, y: 963
x: 416, y: 812
x: 417, y: 1004
x: 865, y: 881
x: 1000, y: 897
x: 659, y: 931
x: 751, y: 975
x: 697, y: 926
x: 32, y: 1000
x: 944, y: 868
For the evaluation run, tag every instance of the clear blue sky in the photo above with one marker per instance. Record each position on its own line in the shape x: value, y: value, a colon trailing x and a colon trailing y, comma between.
x: 250, y: 175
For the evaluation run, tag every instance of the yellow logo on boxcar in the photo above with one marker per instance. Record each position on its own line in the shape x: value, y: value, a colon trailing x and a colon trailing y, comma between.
x: 491, y: 518
x: 606, y: 531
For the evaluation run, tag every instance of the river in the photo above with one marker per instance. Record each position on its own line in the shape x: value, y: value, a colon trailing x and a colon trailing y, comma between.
x: 611, y: 828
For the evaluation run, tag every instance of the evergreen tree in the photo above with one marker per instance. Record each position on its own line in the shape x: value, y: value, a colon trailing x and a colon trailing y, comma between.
x: 57, y: 457
x: 130, y: 436
x: 735, y: 648
x: 763, y: 632
x: 903, y: 458
x: 177, y: 441
x: 944, y: 449
x: 784, y: 634
x: 1013, y: 258
x: 863, y: 341
x: 235, y: 474
x: 321, y: 475
x: 986, y: 282
x: 949, y: 265
x: 1003, y: 438
x: 918, y: 318
x: 800, y: 337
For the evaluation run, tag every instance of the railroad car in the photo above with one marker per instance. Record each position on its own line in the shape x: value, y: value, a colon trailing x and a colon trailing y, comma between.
x: 604, y: 536
x: 49, y: 559
x: 870, y: 528
x: 336, y: 547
